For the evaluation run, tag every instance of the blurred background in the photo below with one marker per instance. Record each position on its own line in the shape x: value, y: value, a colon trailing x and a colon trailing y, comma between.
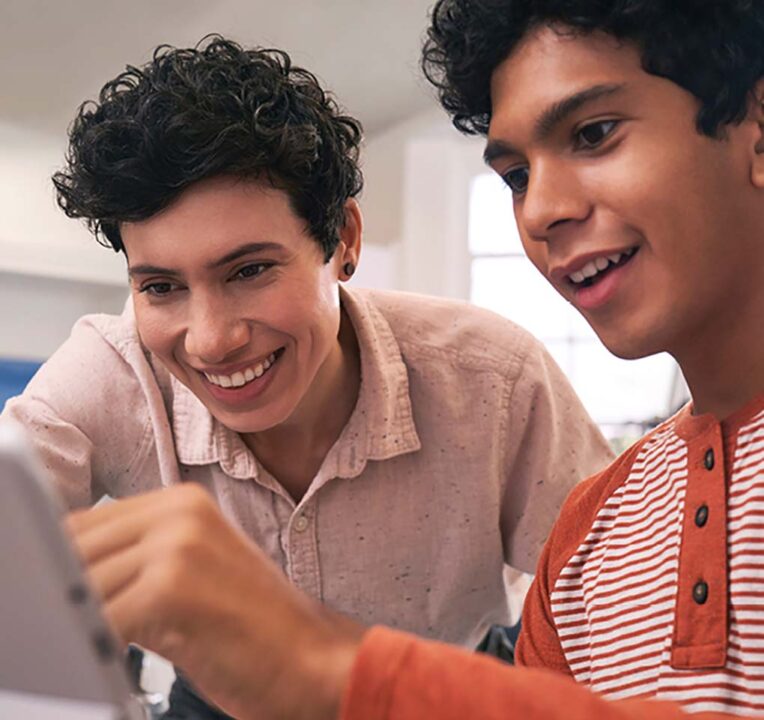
x: 436, y: 221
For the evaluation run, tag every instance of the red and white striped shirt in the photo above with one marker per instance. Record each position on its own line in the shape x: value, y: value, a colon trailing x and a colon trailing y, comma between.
x: 652, y: 583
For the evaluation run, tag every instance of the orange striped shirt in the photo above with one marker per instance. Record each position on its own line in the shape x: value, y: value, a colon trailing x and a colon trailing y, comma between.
x: 652, y: 584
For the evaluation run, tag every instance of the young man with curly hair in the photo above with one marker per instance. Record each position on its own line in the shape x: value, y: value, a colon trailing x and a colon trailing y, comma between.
x: 631, y: 135
x: 390, y: 453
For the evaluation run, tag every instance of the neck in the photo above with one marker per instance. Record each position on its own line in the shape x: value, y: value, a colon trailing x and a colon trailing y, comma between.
x: 294, y: 450
x: 724, y: 363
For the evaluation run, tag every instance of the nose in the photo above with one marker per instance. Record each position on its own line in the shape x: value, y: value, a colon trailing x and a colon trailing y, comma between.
x: 554, y: 199
x: 215, y: 330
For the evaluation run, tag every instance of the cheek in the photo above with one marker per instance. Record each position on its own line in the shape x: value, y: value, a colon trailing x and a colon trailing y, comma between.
x: 154, y: 331
x: 317, y: 300
x: 310, y: 315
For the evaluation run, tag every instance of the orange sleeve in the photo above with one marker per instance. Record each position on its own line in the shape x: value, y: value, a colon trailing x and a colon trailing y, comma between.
x: 539, y: 644
x: 400, y: 677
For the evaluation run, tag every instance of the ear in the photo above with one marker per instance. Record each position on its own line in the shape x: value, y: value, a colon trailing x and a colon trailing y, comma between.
x: 757, y: 116
x: 351, y: 238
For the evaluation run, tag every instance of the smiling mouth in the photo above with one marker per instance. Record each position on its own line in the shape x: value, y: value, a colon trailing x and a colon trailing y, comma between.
x: 244, y: 377
x: 598, y: 268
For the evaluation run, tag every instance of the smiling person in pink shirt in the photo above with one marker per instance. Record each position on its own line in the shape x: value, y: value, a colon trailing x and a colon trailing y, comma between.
x: 392, y: 454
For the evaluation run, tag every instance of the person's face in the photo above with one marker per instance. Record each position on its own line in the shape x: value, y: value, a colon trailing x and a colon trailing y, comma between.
x: 649, y: 228
x: 235, y: 299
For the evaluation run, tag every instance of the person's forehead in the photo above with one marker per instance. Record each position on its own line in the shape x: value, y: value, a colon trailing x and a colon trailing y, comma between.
x: 551, y: 63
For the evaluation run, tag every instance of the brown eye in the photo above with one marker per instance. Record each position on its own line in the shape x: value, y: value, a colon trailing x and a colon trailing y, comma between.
x: 594, y: 134
x: 517, y: 180
x: 158, y: 289
x: 251, y: 271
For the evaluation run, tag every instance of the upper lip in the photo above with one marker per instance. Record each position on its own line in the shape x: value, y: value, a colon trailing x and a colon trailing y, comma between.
x: 561, y: 271
x: 238, y: 367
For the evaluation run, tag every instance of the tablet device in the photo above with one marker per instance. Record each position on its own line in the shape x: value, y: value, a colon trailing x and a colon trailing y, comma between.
x: 58, y: 658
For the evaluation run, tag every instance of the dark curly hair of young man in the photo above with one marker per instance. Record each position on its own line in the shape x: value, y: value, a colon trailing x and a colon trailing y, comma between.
x: 712, y: 48
x: 215, y: 109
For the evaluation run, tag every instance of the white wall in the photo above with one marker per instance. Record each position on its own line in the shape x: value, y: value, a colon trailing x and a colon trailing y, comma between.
x: 35, y: 236
x: 51, y: 270
x: 416, y: 203
x: 38, y: 313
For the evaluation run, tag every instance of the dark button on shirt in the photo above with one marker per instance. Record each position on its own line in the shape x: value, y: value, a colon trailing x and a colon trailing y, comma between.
x: 700, y: 592
x: 708, y: 460
x: 701, y: 516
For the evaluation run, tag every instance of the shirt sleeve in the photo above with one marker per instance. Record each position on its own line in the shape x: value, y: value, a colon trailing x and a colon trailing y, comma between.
x: 399, y: 677
x: 551, y: 444
x: 84, y: 413
x: 538, y: 644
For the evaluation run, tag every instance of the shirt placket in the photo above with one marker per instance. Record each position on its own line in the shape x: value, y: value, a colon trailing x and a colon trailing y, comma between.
x: 300, y: 546
x: 700, y: 621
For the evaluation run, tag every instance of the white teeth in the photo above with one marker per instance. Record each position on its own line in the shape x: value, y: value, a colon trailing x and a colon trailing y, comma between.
x: 593, y: 267
x: 589, y: 270
x: 601, y: 263
x: 241, y: 378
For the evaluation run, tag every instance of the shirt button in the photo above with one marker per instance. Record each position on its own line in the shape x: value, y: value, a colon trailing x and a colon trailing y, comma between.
x: 701, y: 516
x: 700, y: 592
x: 301, y: 524
x: 708, y: 460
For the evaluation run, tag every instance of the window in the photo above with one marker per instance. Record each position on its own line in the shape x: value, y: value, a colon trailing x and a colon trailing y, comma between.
x: 625, y: 397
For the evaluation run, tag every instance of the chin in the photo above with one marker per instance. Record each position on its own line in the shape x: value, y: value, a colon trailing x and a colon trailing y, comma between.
x: 632, y: 347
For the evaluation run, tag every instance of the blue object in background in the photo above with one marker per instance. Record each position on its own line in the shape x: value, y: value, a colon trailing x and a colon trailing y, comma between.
x: 14, y: 376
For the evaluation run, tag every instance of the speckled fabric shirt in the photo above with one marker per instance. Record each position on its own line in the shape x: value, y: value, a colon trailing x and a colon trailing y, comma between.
x: 463, y: 444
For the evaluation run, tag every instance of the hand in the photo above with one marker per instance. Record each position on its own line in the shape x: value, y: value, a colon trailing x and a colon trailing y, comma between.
x: 177, y: 579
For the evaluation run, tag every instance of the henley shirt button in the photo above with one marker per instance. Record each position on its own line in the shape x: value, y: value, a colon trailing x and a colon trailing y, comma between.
x: 708, y: 460
x: 700, y: 592
x: 301, y: 524
x: 701, y: 516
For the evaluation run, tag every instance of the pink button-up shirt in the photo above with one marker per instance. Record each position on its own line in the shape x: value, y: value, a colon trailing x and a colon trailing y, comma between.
x: 463, y: 444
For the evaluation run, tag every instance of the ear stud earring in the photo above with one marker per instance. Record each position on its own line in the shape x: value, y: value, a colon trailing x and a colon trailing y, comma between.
x: 349, y: 269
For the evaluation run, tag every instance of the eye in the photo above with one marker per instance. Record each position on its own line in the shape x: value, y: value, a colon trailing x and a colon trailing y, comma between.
x: 516, y: 179
x: 251, y: 271
x: 594, y: 134
x: 158, y: 289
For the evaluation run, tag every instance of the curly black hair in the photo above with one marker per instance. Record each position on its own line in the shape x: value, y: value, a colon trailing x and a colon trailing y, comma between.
x: 712, y: 48
x: 194, y: 113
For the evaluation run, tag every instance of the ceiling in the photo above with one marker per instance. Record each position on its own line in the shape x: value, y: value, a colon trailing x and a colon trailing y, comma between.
x: 55, y: 54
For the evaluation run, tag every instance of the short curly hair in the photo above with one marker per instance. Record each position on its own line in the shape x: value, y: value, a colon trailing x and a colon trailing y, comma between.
x: 712, y: 48
x: 195, y: 113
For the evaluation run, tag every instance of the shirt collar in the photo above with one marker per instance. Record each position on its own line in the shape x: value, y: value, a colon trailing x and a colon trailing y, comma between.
x: 380, y: 427
x: 382, y: 424
x: 689, y: 425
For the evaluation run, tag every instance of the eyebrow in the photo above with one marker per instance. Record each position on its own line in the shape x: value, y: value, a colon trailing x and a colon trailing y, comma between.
x: 552, y: 116
x: 247, y: 249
